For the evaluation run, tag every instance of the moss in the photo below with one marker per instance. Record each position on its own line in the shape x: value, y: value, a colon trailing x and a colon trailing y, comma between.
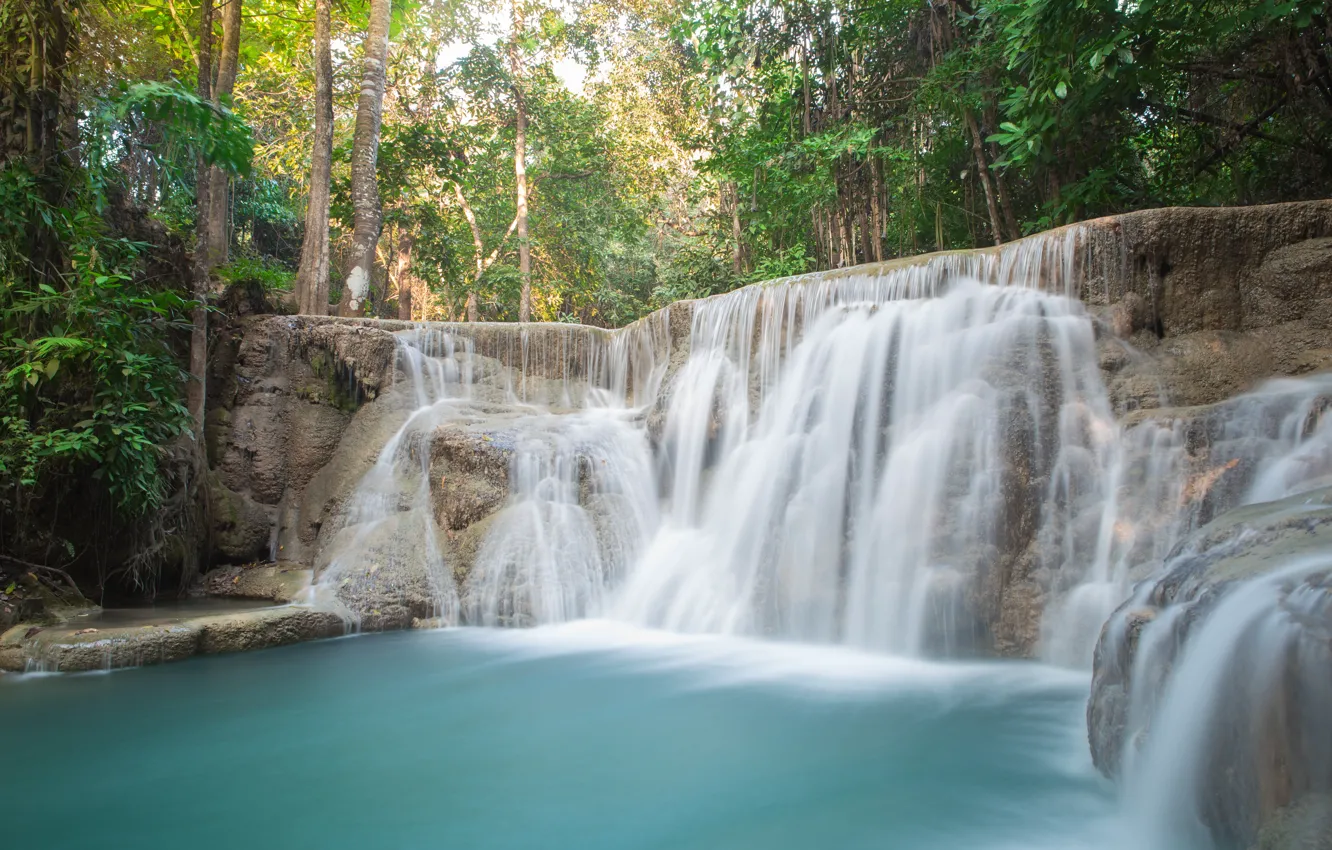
x: 342, y: 389
x: 1303, y: 825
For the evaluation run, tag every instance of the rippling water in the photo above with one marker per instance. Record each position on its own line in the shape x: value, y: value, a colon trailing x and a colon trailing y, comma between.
x: 583, y: 736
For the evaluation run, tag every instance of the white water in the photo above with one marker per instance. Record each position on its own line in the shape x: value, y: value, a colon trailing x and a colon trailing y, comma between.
x: 1223, y: 698
x: 850, y: 458
x: 871, y: 486
x: 582, y: 503
x: 392, y: 501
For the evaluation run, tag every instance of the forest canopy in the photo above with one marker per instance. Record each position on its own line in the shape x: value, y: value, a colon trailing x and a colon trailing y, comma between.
x: 580, y: 161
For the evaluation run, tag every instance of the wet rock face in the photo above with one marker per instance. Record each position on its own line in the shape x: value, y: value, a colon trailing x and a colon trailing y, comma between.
x: 72, y: 649
x: 1261, y: 769
x: 1216, y: 300
x: 281, y: 402
x: 1194, y: 306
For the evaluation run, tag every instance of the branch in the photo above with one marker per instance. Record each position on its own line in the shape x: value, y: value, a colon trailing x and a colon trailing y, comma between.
x: 180, y: 25
x: 477, y: 242
x: 30, y: 567
x: 571, y: 175
x: 494, y: 255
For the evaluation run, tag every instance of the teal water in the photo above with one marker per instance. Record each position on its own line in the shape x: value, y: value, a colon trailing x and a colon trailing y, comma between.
x: 584, y: 737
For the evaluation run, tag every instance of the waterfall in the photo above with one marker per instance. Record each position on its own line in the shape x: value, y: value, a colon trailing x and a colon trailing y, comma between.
x: 583, y: 501
x: 389, y: 517
x: 1229, y: 700
x: 872, y: 489
x: 917, y: 457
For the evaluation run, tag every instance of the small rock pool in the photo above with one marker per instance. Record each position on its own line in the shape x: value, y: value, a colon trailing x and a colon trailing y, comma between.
x: 584, y: 736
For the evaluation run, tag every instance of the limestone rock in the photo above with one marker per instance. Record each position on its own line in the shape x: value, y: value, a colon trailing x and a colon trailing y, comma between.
x: 241, y: 527
x: 71, y: 649
x: 1266, y: 750
x: 276, y: 582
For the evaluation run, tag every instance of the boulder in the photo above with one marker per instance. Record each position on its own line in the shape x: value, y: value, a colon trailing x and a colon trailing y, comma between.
x: 1264, y: 752
x: 94, y: 645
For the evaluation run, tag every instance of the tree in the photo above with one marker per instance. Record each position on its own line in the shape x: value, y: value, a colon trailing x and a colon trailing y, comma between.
x: 520, y: 163
x: 200, y: 265
x: 219, y: 188
x: 312, y: 277
x: 367, y: 214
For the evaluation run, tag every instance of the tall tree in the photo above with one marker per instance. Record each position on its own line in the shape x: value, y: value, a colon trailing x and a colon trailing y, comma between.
x: 367, y: 216
x: 520, y: 164
x: 194, y: 395
x: 219, y: 194
x: 403, y: 273
x: 312, y: 276
x: 481, y: 262
x: 36, y: 40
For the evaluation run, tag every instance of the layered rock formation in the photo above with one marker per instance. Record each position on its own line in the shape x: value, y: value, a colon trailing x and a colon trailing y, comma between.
x: 1212, y: 684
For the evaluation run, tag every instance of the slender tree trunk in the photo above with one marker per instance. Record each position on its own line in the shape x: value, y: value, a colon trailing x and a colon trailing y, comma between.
x: 520, y: 166
x: 983, y: 172
x: 862, y: 223
x: 834, y: 108
x: 312, y: 276
x: 834, y: 255
x: 991, y: 116
x: 848, y: 235
x: 1006, y: 206
x: 219, y: 200
x: 804, y: 81
x: 876, y: 209
x: 819, y: 254
x: 737, y: 247
x: 367, y: 217
x: 195, y: 391
x: 405, y: 244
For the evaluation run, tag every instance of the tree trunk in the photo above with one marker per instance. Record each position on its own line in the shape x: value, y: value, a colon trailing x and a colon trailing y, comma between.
x: 367, y: 217
x: 862, y: 224
x: 737, y: 246
x: 876, y: 209
x: 804, y: 81
x: 312, y: 277
x: 1006, y: 206
x: 194, y: 392
x: 405, y: 241
x: 219, y: 206
x: 834, y: 255
x: 991, y: 116
x: 983, y: 172
x: 520, y: 166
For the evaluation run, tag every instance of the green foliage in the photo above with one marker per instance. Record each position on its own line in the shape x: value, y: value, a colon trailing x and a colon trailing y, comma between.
x: 270, y: 274
x: 89, y: 385
x: 195, y: 125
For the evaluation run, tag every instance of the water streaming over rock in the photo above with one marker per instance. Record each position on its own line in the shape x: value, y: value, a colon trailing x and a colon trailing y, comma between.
x: 1245, y: 700
x: 583, y: 501
x: 389, y: 518
x: 920, y: 458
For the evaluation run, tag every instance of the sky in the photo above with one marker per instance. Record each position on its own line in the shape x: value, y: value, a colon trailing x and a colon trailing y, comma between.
x: 570, y: 71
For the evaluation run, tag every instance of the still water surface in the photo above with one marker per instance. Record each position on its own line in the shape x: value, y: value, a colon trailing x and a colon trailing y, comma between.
x: 584, y: 736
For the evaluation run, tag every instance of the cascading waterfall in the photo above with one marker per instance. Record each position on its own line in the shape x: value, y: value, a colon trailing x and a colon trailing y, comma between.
x: 1225, y: 698
x: 875, y: 485
x: 583, y: 500
x: 390, y: 514
x: 860, y: 457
